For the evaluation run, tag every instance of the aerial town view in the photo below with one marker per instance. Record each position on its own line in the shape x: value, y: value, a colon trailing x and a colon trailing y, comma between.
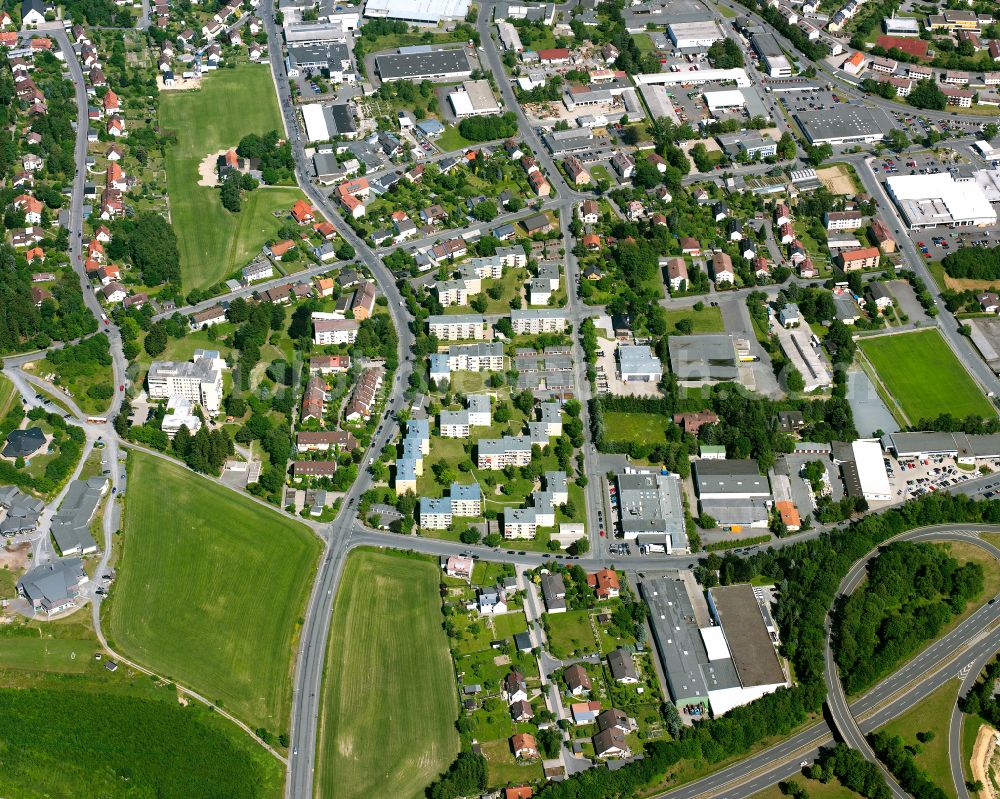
x: 450, y: 399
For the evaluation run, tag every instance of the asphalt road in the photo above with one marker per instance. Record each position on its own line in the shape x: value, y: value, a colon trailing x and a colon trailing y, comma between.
x: 840, y: 713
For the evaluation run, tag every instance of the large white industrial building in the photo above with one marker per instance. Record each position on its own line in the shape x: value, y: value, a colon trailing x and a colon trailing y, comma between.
x: 940, y: 200
x: 421, y: 12
x: 693, y: 35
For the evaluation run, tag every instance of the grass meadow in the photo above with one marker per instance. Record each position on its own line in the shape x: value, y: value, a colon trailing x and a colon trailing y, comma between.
x: 211, y: 590
x: 230, y: 104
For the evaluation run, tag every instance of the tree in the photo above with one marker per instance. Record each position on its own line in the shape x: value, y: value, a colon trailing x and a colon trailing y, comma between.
x: 725, y: 54
x: 818, y: 153
x: 485, y: 211
x: 927, y: 94
x: 898, y: 140
x: 156, y: 339
x: 580, y: 547
x: 990, y: 131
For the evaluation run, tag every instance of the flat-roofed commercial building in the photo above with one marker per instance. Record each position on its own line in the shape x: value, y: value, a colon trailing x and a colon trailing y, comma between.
x: 693, y: 35
x: 651, y: 510
x: 324, y: 122
x: 729, y: 479
x: 708, y: 358
x: 423, y: 65
x: 738, y: 612
x: 865, y: 474
x: 421, y: 12
x: 844, y: 124
x: 940, y: 200
x: 474, y: 99
x: 772, y: 57
x: 721, y: 665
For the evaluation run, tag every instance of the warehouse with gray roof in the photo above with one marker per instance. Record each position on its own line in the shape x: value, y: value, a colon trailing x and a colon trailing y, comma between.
x: 423, y: 64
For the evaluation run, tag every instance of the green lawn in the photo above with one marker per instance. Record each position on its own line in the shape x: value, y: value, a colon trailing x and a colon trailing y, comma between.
x: 643, y: 42
x: 8, y: 396
x: 814, y: 788
x: 212, y: 592
x: 932, y: 714
x: 570, y: 632
x: 707, y: 320
x: 230, y: 104
x: 451, y: 139
x: 389, y: 701
x: 924, y: 376
x: 645, y: 428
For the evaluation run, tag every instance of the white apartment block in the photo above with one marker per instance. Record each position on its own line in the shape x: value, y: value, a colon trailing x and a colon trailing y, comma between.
x: 497, y: 453
x: 458, y: 424
x: 457, y: 328
x: 511, y: 256
x: 476, y: 357
x: 333, y: 329
x: 452, y: 292
x: 198, y: 380
x: 540, y: 320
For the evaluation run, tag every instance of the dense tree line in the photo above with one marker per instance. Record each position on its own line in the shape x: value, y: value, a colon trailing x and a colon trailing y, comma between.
x: 149, y: 242
x: 927, y: 94
x: 912, y: 591
x: 465, y: 777
x: 489, y: 128
x: 852, y: 769
x: 976, y: 263
x: 981, y: 699
x: 725, y: 54
x: 206, y: 451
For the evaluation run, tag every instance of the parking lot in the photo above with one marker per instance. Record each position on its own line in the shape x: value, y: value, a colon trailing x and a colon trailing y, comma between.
x: 911, y: 479
x: 817, y: 100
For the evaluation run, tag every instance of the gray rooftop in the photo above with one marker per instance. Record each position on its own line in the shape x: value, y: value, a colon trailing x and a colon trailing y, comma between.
x: 52, y: 583
x: 650, y: 504
x: 71, y: 523
x: 737, y: 610
x: 398, y: 66
x: 703, y: 357
x: 689, y: 672
x: 843, y: 121
x: 729, y: 477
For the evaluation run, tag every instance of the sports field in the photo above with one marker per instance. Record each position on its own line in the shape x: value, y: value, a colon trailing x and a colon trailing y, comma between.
x: 230, y: 104
x: 211, y: 590
x: 924, y: 376
x: 389, y: 701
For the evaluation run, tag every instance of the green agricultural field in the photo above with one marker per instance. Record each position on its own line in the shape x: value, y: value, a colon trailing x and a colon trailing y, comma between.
x: 211, y: 590
x: 62, y: 743
x: 230, y: 104
x: 388, y: 657
x: 932, y: 714
x: 642, y: 428
x: 924, y: 376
